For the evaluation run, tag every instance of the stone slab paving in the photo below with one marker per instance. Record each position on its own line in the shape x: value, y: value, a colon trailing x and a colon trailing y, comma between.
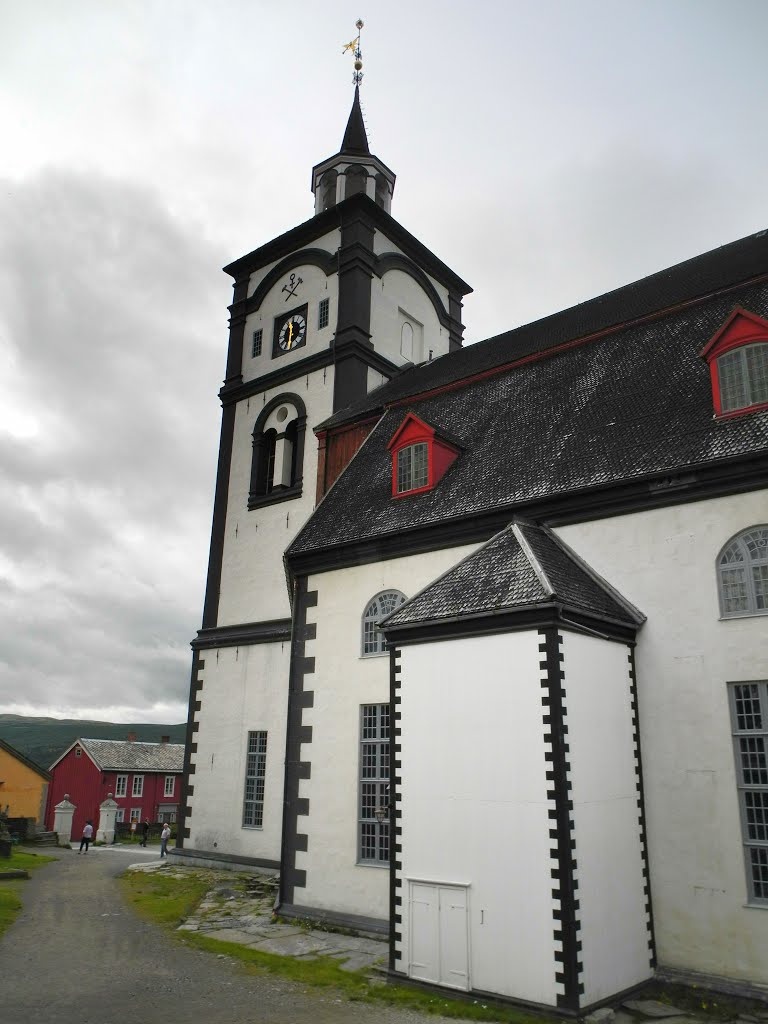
x: 239, y: 910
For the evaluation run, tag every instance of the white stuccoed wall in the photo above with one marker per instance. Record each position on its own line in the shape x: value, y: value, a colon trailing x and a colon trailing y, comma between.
x: 664, y: 561
x: 474, y: 802
x: 245, y: 690
x: 613, y: 932
x: 342, y: 682
x: 397, y: 291
x: 253, y: 586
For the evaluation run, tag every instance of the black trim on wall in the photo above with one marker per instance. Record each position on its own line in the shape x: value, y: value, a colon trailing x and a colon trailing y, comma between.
x: 568, y: 966
x: 195, y: 703
x: 641, y: 811
x: 243, y: 634
x: 240, y: 391
x: 326, y: 261
x: 534, y: 617
x: 220, y: 501
x: 256, y: 499
x: 297, y: 734
x: 356, y: 263
x: 236, y: 333
x: 397, y: 261
x: 395, y: 812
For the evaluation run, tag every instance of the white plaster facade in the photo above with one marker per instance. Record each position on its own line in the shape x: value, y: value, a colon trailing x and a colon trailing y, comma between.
x: 664, y: 561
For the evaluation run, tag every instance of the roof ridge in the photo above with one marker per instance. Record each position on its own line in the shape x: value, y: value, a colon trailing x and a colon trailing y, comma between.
x: 533, y: 559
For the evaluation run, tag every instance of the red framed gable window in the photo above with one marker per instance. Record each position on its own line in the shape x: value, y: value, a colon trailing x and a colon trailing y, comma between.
x: 420, y: 457
x: 738, y: 364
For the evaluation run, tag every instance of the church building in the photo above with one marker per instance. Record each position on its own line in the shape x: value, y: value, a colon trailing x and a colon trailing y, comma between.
x: 483, y: 664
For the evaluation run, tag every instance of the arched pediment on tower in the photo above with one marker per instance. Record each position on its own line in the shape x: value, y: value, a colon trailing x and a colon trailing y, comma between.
x: 397, y: 261
x: 326, y: 261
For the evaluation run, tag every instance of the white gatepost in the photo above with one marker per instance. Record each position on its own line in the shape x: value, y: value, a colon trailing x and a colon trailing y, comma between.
x: 62, y: 820
x: 107, y: 814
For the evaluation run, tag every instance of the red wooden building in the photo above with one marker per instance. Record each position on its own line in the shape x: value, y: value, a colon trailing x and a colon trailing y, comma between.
x: 144, y: 779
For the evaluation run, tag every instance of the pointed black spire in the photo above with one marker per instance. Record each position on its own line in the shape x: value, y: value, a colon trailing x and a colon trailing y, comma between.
x: 355, y: 139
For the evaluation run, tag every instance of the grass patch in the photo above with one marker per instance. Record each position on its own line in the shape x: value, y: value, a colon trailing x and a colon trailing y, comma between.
x: 165, y: 898
x: 168, y: 899
x: 10, y: 888
x: 326, y: 973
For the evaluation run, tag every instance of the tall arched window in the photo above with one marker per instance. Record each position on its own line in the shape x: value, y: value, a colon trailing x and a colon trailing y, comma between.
x: 382, y: 605
x: 278, y: 452
x: 743, y: 574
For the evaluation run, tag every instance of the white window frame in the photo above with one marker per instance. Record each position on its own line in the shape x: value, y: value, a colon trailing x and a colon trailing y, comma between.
x: 256, y: 342
x: 121, y: 785
x: 169, y: 789
x: 738, y: 376
x: 120, y: 814
x: 135, y: 815
x: 373, y: 788
x: 137, y: 787
x: 742, y: 568
x: 323, y: 314
x: 372, y: 641
x: 412, y: 473
x: 255, y: 779
x: 748, y: 703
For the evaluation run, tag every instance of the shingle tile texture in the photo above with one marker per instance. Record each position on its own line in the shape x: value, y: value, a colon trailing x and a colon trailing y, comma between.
x: 122, y: 755
x: 633, y: 404
x: 501, y: 576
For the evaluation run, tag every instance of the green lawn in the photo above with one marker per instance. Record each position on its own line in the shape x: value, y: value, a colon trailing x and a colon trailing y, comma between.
x: 168, y: 899
x: 10, y: 888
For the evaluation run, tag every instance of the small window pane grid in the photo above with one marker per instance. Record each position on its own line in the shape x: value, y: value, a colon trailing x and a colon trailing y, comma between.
x: 255, y: 772
x: 374, y: 783
x: 256, y: 346
x: 121, y: 785
x: 381, y: 606
x: 78, y: 752
x: 743, y: 377
x: 120, y: 814
x: 749, y: 715
x: 138, y: 785
x: 323, y: 314
x: 135, y: 814
x: 170, y: 781
x: 413, y: 467
x: 743, y: 571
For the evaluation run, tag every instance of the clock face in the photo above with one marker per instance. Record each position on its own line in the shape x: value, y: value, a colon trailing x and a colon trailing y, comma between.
x: 292, y: 333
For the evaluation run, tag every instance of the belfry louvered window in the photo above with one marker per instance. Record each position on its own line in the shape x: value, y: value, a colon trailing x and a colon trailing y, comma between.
x: 749, y: 716
x: 743, y: 574
x: 383, y: 604
x: 373, y: 823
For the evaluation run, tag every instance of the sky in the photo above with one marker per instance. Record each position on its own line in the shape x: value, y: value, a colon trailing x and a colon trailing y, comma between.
x: 547, y: 151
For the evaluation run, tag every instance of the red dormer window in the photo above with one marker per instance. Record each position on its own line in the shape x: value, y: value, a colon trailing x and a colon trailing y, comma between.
x: 738, y: 364
x: 420, y: 457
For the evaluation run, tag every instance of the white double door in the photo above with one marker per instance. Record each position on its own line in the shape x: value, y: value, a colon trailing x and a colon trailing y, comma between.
x: 439, y: 947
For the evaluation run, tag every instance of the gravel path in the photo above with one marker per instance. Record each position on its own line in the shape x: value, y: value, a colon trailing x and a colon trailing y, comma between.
x: 78, y: 955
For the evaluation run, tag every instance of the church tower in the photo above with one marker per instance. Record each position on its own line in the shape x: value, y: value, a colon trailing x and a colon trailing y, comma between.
x: 320, y: 316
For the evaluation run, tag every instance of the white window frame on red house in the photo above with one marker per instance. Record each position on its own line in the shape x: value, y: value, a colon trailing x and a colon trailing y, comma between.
x: 169, y: 788
x: 135, y: 815
x: 737, y: 364
x: 121, y: 785
x: 138, y: 786
x: 120, y: 814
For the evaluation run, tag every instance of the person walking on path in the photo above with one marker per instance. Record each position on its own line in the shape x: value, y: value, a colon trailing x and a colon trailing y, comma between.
x: 87, y: 836
x: 165, y: 835
x: 144, y: 833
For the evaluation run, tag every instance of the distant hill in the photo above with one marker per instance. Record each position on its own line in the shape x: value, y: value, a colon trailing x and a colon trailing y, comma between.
x: 42, y: 740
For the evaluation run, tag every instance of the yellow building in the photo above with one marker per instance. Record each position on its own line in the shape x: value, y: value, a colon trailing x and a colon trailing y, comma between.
x: 23, y: 785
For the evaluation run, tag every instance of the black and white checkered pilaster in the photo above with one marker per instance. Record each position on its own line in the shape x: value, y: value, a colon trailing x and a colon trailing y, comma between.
x: 569, y: 983
x: 396, y: 817
x: 641, y: 810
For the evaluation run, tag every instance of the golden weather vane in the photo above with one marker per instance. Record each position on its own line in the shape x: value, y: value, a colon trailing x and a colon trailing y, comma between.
x: 354, y: 46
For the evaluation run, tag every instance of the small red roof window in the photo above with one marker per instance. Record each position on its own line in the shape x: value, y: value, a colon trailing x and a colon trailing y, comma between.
x: 738, y: 364
x: 420, y: 457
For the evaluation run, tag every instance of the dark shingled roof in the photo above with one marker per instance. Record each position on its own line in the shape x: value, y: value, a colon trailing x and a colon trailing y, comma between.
x: 355, y: 140
x: 634, y: 404
x: 523, y: 566
x: 123, y: 755
x: 739, y: 261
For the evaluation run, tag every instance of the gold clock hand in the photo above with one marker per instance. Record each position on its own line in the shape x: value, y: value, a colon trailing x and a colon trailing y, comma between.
x: 290, y: 333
